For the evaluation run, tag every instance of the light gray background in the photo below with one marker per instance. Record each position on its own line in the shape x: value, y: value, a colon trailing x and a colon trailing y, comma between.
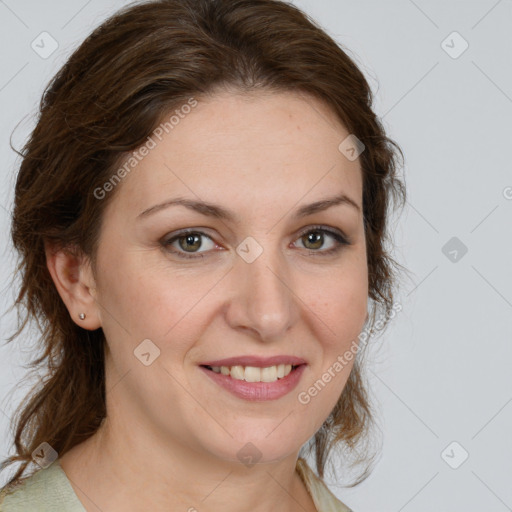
x: 442, y: 372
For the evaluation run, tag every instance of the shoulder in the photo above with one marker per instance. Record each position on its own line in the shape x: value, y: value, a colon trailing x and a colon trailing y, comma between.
x: 46, y: 490
x: 324, y: 499
x: 16, y: 489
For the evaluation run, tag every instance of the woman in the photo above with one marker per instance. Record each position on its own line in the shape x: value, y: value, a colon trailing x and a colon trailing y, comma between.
x: 201, y: 214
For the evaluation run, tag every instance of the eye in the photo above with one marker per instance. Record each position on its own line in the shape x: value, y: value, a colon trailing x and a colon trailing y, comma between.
x: 314, y: 239
x: 187, y: 244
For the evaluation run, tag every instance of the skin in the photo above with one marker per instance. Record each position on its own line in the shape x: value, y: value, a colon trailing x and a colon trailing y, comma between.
x: 171, y: 435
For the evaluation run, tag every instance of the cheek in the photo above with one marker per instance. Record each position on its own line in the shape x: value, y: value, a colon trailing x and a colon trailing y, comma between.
x: 146, y: 300
x: 339, y: 302
x: 131, y: 296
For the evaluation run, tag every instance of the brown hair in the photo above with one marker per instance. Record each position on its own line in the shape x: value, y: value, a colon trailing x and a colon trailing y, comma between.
x: 105, y: 101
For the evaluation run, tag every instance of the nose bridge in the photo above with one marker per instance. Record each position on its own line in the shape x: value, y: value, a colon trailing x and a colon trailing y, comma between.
x: 264, y: 302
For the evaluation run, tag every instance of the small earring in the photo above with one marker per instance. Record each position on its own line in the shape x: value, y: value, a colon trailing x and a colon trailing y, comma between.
x: 81, y: 316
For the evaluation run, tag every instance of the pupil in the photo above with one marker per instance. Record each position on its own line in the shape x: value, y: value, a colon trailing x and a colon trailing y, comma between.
x: 189, y: 241
x: 315, y: 238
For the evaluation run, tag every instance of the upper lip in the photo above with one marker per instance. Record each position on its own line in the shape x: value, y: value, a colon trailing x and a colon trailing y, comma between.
x: 256, y: 361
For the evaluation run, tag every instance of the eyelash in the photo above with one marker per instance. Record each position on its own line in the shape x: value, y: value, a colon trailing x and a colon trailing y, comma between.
x: 340, y: 240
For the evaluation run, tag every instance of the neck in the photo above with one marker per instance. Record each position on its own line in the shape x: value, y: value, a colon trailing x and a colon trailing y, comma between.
x: 113, y: 470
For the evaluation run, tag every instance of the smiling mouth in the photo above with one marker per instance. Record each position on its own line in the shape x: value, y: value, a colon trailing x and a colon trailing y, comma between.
x: 253, y: 373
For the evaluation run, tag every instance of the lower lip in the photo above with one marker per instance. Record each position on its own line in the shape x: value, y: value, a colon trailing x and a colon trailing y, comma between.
x: 257, y: 391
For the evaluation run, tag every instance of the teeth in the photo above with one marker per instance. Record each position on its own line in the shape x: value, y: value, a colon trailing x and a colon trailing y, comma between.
x: 268, y: 374
x: 237, y: 372
x: 254, y: 374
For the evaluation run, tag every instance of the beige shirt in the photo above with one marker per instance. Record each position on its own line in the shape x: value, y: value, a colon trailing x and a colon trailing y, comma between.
x: 49, y: 490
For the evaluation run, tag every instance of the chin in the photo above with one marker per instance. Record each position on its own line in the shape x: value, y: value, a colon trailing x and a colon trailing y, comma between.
x: 252, y: 445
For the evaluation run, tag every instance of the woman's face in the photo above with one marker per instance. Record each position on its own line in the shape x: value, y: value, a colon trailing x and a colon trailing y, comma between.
x: 261, y: 275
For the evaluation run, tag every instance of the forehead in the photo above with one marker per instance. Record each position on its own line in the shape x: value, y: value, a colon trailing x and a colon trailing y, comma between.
x: 246, y: 146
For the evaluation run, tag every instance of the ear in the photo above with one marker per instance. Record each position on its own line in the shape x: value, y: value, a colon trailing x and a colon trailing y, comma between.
x: 73, y: 277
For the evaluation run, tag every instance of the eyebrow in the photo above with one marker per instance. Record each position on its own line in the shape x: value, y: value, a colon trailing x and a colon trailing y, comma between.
x: 219, y: 212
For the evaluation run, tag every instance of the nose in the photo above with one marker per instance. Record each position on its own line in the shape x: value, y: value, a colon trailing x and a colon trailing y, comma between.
x: 264, y: 301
